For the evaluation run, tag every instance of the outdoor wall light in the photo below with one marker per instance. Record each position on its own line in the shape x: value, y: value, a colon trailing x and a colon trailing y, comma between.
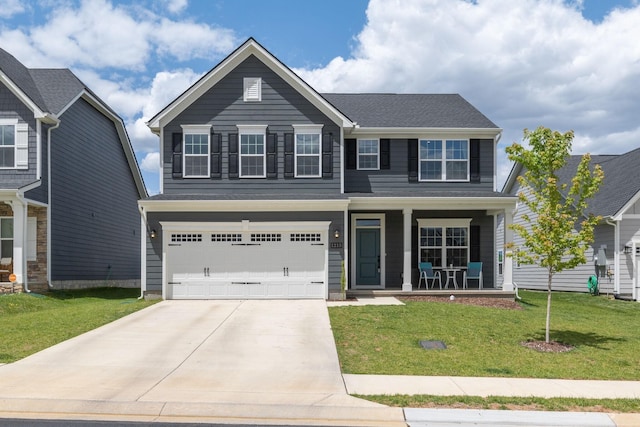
x: 627, y: 250
x: 336, y: 233
x: 153, y: 234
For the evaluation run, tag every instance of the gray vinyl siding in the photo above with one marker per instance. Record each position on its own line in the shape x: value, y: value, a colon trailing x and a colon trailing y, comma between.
x: 41, y: 193
x: 12, y: 108
x: 223, y: 107
x: 95, y: 224
x: 154, y: 246
x: 396, y: 177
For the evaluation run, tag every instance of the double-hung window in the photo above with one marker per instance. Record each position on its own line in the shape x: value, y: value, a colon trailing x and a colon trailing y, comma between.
x: 368, y: 154
x: 308, y: 151
x: 444, y: 160
x: 196, y: 150
x: 7, y: 145
x: 253, y: 160
x: 444, y: 242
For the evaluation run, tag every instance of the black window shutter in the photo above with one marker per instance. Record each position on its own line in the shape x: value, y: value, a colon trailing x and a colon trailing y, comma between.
x: 216, y: 155
x: 272, y: 155
x: 413, y: 160
x: 327, y: 155
x: 351, y: 146
x: 474, y: 243
x: 176, y: 149
x: 288, y: 155
x: 474, y: 160
x: 233, y: 155
x: 385, y: 162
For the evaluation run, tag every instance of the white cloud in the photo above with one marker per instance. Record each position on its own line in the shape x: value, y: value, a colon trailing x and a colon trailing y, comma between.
x: 10, y: 8
x: 176, y: 6
x: 535, y: 62
x: 98, y: 34
x: 151, y: 163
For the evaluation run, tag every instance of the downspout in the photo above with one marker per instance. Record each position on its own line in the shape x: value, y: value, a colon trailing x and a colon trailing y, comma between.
x: 616, y: 254
x: 49, y: 199
x: 143, y: 251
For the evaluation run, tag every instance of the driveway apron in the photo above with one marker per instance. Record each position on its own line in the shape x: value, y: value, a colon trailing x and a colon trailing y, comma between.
x: 263, y: 352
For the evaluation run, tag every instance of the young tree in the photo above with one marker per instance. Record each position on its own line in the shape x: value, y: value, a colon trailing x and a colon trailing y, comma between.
x: 560, y: 231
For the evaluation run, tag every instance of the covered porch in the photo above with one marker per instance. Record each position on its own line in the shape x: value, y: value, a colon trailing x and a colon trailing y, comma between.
x: 390, y: 238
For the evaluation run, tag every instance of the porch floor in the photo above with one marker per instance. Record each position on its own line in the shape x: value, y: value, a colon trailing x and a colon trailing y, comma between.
x: 469, y: 293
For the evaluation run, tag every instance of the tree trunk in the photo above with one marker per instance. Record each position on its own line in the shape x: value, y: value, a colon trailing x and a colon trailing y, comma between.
x: 546, y: 333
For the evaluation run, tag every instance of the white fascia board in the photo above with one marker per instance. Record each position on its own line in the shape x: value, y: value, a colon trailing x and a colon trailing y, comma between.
x: 37, y: 112
x: 632, y: 201
x: 251, y: 47
x: 433, y: 203
x: 122, y: 135
x: 243, y: 205
x: 400, y: 132
x: 516, y: 170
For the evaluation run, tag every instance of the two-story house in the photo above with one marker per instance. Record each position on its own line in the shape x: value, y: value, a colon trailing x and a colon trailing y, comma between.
x: 69, y: 184
x: 270, y: 189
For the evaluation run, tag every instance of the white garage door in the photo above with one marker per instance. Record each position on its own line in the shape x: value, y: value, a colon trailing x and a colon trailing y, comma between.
x: 246, y: 264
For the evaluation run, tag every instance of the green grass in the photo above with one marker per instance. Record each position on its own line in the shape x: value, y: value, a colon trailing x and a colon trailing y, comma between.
x: 509, y: 403
x: 485, y: 341
x: 33, y: 322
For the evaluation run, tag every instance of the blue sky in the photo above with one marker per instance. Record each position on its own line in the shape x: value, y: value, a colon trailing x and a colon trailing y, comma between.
x: 563, y: 64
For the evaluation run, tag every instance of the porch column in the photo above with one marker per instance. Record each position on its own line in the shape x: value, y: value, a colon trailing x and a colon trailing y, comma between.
x: 406, y: 266
x: 507, y: 277
x: 19, y: 239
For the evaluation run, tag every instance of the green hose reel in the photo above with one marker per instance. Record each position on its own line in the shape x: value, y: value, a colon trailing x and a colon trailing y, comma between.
x: 592, y: 284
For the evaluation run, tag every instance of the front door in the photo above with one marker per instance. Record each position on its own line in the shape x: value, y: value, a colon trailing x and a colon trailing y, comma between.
x: 368, y: 256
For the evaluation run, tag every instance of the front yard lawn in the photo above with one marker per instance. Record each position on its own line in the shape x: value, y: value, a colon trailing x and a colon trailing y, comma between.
x: 485, y: 341
x: 33, y: 322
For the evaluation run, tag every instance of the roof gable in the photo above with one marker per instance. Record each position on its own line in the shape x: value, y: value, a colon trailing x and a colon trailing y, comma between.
x: 21, y: 82
x: 250, y: 47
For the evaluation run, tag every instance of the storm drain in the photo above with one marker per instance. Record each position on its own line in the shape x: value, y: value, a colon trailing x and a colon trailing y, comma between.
x: 433, y: 345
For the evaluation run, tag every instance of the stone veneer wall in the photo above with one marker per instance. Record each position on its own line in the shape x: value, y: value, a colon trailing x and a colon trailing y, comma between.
x: 36, y: 270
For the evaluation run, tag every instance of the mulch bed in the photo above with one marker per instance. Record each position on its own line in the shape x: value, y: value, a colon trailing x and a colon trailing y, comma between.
x: 548, y: 347
x: 504, y: 303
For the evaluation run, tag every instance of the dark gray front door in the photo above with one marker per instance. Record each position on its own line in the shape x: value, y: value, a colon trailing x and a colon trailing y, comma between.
x: 368, y: 256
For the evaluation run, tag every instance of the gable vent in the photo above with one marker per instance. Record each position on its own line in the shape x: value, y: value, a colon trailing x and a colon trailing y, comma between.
x: 252, y: 89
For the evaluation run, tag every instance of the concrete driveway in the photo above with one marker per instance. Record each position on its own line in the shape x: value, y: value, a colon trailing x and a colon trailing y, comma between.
x: 206, y: 359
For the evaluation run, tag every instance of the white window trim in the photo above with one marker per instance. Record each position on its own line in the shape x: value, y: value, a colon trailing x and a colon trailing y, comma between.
x: 252, y: 89
x: 7, y: 238
x: 367, y: 154
x: 195, y: 130
x: 443, y: 160
x: 307, y: 130
x: 444, y: 223
x: 252, y: 130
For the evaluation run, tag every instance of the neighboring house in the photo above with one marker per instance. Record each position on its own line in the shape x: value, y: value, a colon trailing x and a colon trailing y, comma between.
x: 617, y: 237
x: 270, y: 189
x: 69, y: 184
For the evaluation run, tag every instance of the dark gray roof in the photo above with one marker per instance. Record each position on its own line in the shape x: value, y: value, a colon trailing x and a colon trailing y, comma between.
x: 620, y: 182
x: 409, y: 110
x: 19, y: 74
x: 247, y: 196
x: 50, y: 89
x: 58, y: 87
